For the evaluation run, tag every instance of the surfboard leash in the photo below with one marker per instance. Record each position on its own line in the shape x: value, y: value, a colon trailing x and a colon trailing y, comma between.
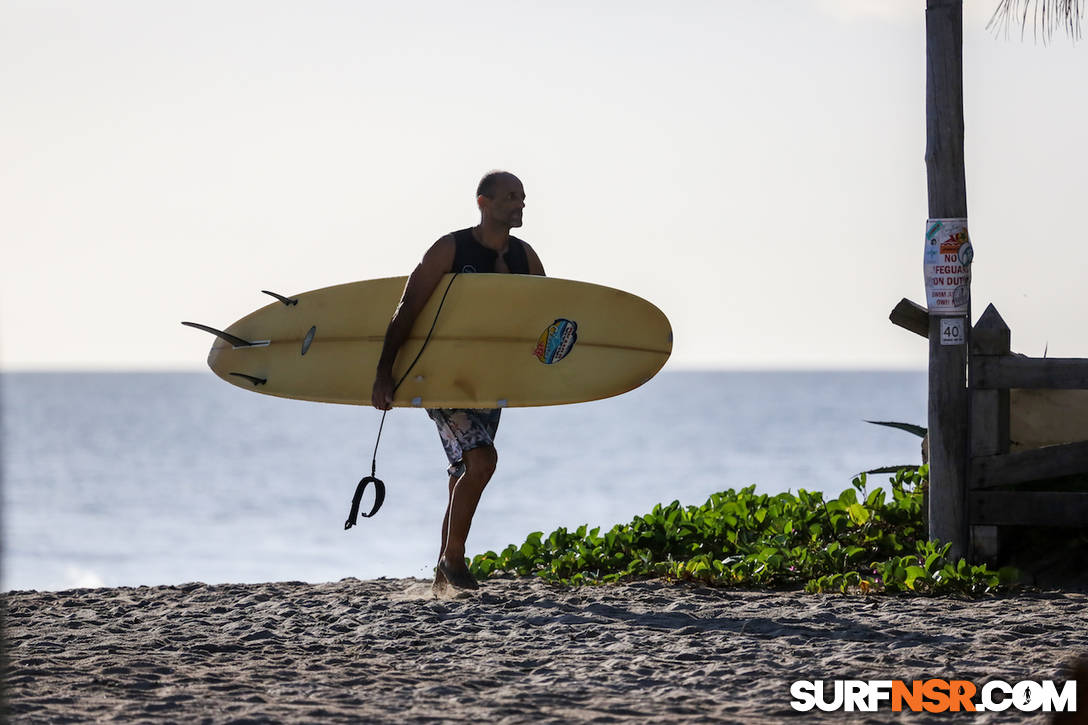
x: 379, y: 485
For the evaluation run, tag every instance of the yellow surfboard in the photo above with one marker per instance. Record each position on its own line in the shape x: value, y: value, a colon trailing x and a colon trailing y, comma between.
x: 499, y: 340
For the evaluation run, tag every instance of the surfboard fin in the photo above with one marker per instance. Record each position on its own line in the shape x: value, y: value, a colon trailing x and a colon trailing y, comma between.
x: 252, y: 378
x: 285, y: 300
x: 225, y: 336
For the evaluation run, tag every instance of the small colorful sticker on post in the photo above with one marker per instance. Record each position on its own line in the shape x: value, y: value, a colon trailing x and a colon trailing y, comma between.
x: 947, y: 266
x: 556, y: 342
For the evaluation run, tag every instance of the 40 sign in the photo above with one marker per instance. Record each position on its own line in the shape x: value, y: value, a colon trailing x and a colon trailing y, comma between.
x: 947, y: 266
x: 952, y: 331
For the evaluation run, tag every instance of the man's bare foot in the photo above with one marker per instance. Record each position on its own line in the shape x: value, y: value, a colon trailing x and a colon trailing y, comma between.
x: 440, y: 585
x: 457, y: 578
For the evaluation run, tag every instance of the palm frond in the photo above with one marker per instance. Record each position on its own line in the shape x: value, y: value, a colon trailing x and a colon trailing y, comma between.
x: 912, y: 467
x: 908, y: 427
x: 1045, y: 16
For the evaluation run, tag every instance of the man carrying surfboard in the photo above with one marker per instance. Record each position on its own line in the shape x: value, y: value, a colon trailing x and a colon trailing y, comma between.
x: 468, y: 435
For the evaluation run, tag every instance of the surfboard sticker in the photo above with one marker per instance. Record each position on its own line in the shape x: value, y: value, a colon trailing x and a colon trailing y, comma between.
x: 556, y: 341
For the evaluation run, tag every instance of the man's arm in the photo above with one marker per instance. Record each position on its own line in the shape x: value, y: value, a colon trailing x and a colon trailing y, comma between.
x: 535, y: 267
x: 421, y: 284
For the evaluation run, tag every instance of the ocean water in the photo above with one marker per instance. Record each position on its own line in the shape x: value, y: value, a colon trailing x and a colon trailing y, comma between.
x: 124, y: 479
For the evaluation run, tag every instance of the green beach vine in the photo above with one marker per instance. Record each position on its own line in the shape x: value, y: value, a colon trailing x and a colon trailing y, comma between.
x: 861, y: 541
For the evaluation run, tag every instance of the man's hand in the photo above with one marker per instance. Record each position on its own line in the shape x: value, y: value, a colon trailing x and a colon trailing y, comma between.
x: 382, y: 395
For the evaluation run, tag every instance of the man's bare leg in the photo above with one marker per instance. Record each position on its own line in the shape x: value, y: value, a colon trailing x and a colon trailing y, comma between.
x: 439, y: 585
x: 464, y: 497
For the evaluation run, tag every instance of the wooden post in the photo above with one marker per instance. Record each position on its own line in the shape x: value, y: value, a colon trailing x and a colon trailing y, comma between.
x: 947, y: 199
x: 989, y: 418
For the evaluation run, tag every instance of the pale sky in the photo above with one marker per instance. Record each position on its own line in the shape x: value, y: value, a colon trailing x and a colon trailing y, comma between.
x: 755, y: 169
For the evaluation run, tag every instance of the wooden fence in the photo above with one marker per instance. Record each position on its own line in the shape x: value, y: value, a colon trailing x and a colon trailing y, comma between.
x: 1027, y: 435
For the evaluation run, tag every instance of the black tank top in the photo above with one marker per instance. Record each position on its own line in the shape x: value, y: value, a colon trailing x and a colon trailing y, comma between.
x: 471, y: 256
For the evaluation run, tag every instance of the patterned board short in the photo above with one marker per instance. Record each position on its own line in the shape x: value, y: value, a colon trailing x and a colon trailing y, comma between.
x: 463, y: 429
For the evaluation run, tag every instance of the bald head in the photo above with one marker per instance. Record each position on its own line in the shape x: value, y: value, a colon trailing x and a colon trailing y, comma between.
x: 491, y: 182
x: 501, y: 199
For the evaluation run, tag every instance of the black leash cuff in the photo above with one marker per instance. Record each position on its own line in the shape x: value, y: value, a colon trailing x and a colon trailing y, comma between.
x: 379, y: 499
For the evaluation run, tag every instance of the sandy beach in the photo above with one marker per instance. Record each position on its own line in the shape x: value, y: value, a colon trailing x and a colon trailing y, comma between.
x: 517, y: 651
